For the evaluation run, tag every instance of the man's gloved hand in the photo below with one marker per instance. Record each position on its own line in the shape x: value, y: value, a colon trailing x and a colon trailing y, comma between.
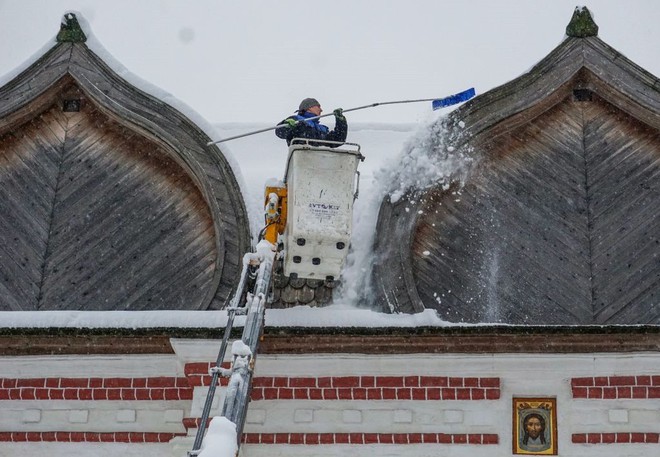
x: 339, y: 113
x: 291, y: 123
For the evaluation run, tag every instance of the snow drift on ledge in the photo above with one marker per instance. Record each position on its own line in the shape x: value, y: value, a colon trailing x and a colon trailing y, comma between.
x: 300, y: 316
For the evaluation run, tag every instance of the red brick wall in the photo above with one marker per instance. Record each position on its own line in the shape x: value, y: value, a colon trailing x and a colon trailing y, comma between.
x: 620, y: 437
x: 264, y: 388
x: 637, y: 387
x: 159, y: 388
x: 376, y: 388
x: 614, y: 387
x: 427, y: 388
x: 94, y: 437
x: 369, y: 438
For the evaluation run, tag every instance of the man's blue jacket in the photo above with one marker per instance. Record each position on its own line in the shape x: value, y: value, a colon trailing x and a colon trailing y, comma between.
x: 313, y: 129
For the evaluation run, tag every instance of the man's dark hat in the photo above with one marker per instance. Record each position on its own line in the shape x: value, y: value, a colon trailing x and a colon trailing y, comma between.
x: 308, y: 103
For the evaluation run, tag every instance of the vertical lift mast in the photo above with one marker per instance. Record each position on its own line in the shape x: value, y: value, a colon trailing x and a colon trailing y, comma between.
x: 307, y: 226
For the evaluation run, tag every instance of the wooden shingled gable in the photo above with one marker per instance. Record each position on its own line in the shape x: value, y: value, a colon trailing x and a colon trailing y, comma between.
x: 109, y: 197
x: 558, y: 220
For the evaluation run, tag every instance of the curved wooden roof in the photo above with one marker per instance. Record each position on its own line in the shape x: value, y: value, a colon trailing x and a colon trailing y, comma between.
x: 110, y: 198
x: 558, y: 221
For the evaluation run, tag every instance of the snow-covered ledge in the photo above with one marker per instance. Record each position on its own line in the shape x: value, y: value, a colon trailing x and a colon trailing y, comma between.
x: 301, y: 316
x: 336, y: 328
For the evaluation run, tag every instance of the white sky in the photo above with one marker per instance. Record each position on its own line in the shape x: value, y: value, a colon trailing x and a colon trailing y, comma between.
x: 253, y: 61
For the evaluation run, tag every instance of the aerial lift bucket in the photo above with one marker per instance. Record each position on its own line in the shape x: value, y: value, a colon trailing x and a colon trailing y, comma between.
x: 322, y: 184
x: 311, y: 214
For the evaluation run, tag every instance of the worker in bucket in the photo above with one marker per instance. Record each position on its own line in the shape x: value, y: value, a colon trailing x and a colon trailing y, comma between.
x: 305, y: 124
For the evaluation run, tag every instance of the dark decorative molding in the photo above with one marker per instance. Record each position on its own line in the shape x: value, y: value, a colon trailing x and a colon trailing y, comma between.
x: 343, y: 340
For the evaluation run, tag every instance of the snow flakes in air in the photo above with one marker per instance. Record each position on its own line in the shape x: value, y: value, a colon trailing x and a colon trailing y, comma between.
x: 430, y: 157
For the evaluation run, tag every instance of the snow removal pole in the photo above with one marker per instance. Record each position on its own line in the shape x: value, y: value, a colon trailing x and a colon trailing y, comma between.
x: 437, y: 103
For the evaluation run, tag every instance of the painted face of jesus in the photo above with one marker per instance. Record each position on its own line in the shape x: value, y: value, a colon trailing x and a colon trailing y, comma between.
x: 533, y: 427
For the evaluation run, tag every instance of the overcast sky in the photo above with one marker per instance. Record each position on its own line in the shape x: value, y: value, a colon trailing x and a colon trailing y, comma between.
x: 243, y: 60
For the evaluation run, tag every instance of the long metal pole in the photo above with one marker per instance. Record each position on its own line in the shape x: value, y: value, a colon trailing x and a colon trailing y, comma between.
x: 450, y: 100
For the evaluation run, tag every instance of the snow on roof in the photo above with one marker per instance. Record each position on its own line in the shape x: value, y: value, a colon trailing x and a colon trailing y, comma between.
x: 300, y: 316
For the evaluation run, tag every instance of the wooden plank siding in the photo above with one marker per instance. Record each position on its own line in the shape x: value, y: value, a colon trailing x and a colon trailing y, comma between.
x: 557, y: 222
x: 120, y: 205
x: 27, y: 185
x: 121, y: 226
x: 624, y: 184
x: 532, y: 237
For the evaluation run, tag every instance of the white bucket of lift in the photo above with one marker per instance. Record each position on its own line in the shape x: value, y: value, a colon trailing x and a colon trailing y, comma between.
x: 322, y: 184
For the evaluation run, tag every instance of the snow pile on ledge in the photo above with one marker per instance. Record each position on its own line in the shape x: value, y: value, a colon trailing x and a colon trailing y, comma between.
x: 301, y: 316
x: 220, y: 439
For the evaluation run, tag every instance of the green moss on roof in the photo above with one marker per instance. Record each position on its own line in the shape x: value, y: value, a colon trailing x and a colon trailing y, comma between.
x: 582, y: 25
x: 70, y: 31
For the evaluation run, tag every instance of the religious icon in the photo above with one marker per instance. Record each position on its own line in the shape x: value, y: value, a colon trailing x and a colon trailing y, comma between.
x: 535, y: 426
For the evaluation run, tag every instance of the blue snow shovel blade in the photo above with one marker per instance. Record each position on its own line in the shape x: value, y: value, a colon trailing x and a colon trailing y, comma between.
x: 454, y: 99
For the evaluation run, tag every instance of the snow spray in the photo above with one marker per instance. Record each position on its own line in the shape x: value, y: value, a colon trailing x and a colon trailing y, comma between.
x: 431, y: 157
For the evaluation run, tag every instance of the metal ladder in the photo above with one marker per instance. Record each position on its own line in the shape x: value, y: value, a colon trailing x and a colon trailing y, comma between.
x: 254, y: 287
